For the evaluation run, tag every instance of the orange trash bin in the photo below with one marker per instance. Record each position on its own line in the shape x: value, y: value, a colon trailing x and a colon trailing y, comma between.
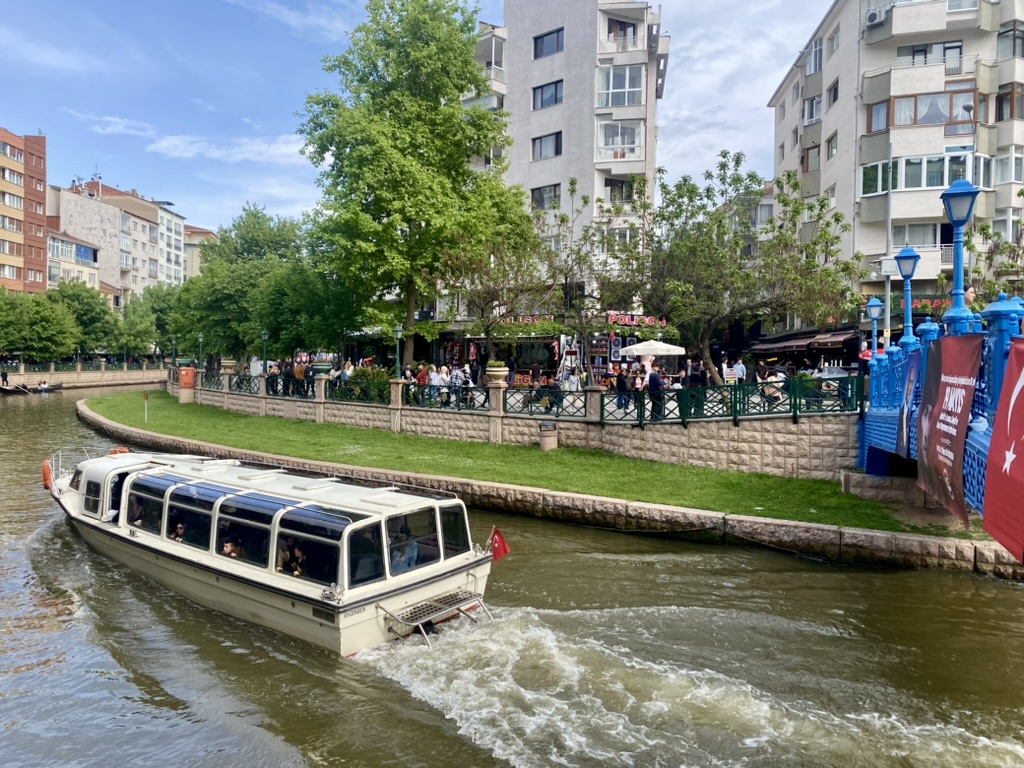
x: 187, y: 378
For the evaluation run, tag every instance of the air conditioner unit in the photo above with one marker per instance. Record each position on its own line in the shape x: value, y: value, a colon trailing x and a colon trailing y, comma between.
x: 875, y: 17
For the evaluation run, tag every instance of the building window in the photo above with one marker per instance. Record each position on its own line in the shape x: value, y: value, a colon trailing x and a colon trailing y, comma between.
x: 620, y: 140
x: 813, y: 58
x: 782, y: 151
x: 832, y: 95
x: 546, y: 198
x: 794, y: 138
x: 547, y: 44
x: 833, y: 42
x: 547, y: 95
x: 878, y: 116
x: 877, y: 178
x: 796, y: 92
x: 620, y: 86
x: 618, y: 191
x: 811, y: 159
x: 548, y: 146
x: 1011, y: 41
x: 830, y: 195
x: 831, y: 146
x: 915, y: 234
x: 1010, y: 102
x: 962, y: 5
x: 812, y: 110
x: 1006, y: 224
x: 781, y: 111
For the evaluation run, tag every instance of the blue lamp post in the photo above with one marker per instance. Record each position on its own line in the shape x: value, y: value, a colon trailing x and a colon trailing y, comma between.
x: 264, y: 335
x: 959, y: 199
x: 907, y: 261
x: 202, y: 364
x: 874, y: 308
x: 397, y: 332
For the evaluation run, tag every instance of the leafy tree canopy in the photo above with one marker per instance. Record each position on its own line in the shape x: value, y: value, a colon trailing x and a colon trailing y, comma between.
x: 96, y: 321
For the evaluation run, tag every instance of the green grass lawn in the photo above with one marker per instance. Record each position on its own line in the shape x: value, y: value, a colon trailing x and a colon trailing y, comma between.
x: 566, y: 469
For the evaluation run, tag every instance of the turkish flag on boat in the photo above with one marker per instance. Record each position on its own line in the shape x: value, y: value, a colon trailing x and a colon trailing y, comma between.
x: 1004, y: 476
x: 499, y: 547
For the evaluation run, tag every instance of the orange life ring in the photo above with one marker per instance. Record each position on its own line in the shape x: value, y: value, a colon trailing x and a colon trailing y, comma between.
x: 119, y: 449
x: 47, y: 475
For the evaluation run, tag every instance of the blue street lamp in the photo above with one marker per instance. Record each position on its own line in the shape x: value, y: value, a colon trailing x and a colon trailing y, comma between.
x: 874, y: 309
x: 959, y: 201
x: 265, y: 335
x: 397, y: 332
x: 907, y: 261
x: 202, y: 365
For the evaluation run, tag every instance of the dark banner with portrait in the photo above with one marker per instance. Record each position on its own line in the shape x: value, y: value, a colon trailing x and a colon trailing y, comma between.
x: 1004, y: 476
x: 946, y: 400
x: 913, y: 373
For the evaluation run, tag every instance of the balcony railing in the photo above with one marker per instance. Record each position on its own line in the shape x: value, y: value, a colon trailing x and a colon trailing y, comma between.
x: 945, y: 254
x: 496, y: 73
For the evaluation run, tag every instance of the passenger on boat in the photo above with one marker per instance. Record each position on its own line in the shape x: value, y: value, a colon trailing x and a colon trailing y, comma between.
x: 135, y: 511
x: 297, y: 565
x: 231, y: 548
x: 284, y: 553
x: 178, y: 534
x: 403, y: 551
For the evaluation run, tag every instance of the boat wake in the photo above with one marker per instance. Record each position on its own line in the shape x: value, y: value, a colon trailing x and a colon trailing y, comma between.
x: 541, y: 688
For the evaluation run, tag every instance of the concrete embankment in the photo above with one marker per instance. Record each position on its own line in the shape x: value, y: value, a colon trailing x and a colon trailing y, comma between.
x: 855, y: 546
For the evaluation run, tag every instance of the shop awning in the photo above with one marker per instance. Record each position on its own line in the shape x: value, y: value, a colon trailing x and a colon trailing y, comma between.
x: 833, y: 340
x: 787, y: 347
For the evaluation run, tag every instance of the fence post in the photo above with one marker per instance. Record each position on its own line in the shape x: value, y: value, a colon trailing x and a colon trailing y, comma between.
x: 1003, y: 318
x: 496, y: 410
x: 593, y: 405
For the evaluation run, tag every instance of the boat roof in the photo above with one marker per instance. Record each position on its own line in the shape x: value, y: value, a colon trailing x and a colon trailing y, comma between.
x: 231, y: 476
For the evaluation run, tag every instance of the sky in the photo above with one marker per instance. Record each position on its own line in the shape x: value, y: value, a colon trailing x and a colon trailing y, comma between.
x: 198, y: 101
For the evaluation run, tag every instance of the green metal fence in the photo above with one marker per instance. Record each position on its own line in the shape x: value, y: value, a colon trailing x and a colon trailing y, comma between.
x: 376, y: 392
x: 794, y: 398
x: 546, y: 401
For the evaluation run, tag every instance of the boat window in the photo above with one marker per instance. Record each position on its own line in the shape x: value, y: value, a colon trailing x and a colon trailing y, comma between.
x: 305, y: 558
x: 412, y: 540
x: 145, y: 512
x: 188, y: 526
x: 200, y: 495
x: 255, y: 507
x: 316, y: 521
x: 92, y: 497
x: 116, y: 486
x: 243, y: 541
x: 365, y: 556
x: 76, y: 480
x: 156, y: 485
x: 455, y: 530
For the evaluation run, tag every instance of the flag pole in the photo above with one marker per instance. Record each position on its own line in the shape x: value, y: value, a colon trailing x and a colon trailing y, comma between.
x: 490, y: 538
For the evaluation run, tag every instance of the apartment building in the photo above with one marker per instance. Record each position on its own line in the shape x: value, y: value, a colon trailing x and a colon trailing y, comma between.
x: 71, y: 259
x: 194, y: 239
x: 888, y: 103
x: 22, y: 212
x: 581, y: 80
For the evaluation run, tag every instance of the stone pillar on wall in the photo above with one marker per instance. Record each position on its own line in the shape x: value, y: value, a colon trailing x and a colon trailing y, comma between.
x: 263, y: 394
x: 320, y: 392
x: 496, y: 410
x: 593, y: 395
x: 395, y: 408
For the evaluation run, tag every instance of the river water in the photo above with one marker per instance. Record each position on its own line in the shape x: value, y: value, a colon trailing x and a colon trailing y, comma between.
x: 607, y: 649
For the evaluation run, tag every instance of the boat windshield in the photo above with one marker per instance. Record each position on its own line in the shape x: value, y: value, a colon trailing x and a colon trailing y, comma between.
x: 200, y: 495
x: 316, y: 521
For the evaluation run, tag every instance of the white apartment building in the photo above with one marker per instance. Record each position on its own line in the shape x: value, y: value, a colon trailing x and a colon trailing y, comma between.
x: 889, y: 103
x: 581, y: 80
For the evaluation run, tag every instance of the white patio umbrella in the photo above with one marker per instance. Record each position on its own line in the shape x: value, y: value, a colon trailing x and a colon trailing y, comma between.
x: 654, y: 348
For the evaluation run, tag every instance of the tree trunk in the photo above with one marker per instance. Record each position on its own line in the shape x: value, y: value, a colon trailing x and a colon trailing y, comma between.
x: 410, y: 322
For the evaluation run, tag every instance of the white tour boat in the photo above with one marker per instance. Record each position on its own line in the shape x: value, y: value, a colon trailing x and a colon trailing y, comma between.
x: 342, y: 565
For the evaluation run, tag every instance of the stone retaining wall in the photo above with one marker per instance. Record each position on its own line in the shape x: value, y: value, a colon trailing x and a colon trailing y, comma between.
x: 845, y: 545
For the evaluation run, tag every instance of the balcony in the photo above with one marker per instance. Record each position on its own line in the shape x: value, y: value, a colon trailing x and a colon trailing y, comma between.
x: 126, y: 262
x: 622, y: 43
x: 897, y: 18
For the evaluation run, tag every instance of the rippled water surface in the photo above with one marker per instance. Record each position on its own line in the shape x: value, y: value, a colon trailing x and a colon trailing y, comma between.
x: 607, y: 649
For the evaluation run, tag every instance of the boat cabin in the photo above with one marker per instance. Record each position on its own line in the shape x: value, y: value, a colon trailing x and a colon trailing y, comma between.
x: 316, y: 530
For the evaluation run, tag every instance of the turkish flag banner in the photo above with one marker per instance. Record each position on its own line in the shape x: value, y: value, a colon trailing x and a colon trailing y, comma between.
x: 499, y: 547
x: 946, y: 400
x: 1004, y: 476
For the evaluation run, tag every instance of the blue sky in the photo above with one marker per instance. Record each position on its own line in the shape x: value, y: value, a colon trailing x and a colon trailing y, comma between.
x: 196, y: 101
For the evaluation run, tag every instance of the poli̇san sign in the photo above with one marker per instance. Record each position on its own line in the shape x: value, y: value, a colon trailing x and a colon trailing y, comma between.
x: 649, y: 321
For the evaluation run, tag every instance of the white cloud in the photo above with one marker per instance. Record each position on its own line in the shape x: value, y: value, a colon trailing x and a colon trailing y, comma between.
x: 325, y: 20
x: 251, y: 123
x: 203, y: 104
x: 34, y: 52
x: 283, y: 150
x: 112, y: 125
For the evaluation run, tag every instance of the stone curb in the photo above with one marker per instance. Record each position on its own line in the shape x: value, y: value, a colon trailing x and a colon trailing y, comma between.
x: 855, y: 546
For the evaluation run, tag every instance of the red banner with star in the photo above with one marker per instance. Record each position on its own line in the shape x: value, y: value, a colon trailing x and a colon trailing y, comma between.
x: 946, y: 400
x: 1004, y: 477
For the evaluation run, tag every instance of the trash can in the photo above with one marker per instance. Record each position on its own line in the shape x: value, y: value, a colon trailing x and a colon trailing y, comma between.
x: 548, y: 435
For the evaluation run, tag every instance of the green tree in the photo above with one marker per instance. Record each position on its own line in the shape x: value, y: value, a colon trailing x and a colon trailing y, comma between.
x: 221, y: 302
x: 721, y: 271
x: 395, y: 149
x: 96, y: 321
x: 161, y: 300
x: 136, y: 333
x: 38, y: 329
